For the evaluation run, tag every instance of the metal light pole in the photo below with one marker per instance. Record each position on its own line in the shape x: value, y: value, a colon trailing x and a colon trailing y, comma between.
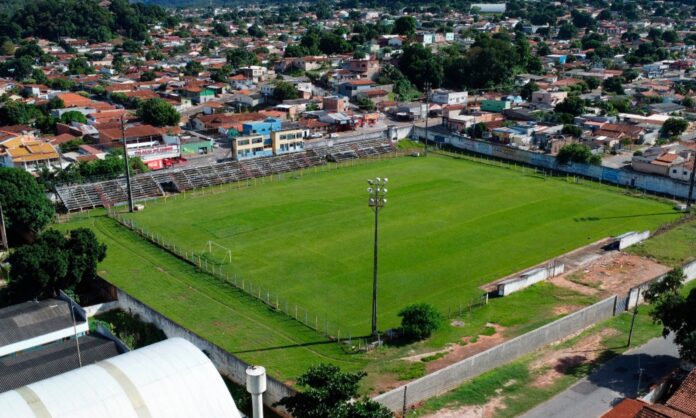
x: 3, y: 233
x: 377, y: 200
x: 125, y: 158
x: 427, y: 114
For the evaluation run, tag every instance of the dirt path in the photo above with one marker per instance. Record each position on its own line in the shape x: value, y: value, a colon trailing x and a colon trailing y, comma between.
x: 613, y: 273
x: 557, y: 363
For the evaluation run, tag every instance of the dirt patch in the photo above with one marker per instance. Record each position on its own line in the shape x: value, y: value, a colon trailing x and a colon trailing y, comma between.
x: 613, y: 273
x: 565, y: 309
x: 467, y: 348
x: 557, y: 363
x: 487, y: 410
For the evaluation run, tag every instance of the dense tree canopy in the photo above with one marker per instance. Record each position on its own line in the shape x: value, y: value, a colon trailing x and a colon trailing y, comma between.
x: 673, y: 127
x: 52, y: 19
x: 26, y: 208
x: 405, y: 25
x: 158, y: 112
x: 419, y: 321
x: 285, y: 91
x: 577, y: 153
x: 52, y: 263
x: 420, y: 66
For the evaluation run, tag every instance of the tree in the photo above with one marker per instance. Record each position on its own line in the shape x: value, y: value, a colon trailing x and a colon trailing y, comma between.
x: 158, y: 112
x: 581, y: 19
x: 673, y: 127
x: 577, y: 153
x: 567, y: 31
x: 256, y: 31
x: 79, y: 65
x: 527, y: 90
x: 675, y: 312
x: 419, y: 321
x: 193, y: 68
x: 25, y: 207
x: 592, y: 83
x: 285, y: 91
x: 630, y: 74
x: 572, y: 105
x: 613, y: 85
x: 72, y: 116
x: 405, y: 25
x: 327, y: 394
x: 52, y: 263
x: 220, y: 29
x: 419, y: 65
x: 573, y: 130
x: 239, y: 57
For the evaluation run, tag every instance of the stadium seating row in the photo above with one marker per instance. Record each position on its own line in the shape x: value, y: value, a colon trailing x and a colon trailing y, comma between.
x: 152, y: 185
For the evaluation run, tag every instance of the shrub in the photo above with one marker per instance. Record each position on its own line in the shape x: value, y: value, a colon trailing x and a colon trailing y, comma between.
x: 419, y: 321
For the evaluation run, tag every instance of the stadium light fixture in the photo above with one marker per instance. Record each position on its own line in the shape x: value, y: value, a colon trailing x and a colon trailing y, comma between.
x: 376, y: 201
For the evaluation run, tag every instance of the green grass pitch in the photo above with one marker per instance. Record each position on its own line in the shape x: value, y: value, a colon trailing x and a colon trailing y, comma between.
x: 450, y: 225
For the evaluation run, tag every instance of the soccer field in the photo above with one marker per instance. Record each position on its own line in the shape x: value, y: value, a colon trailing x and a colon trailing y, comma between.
x: 450, y: 225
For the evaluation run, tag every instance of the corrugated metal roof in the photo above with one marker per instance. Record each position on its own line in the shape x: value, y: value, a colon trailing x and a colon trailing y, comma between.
x: 32, y: 319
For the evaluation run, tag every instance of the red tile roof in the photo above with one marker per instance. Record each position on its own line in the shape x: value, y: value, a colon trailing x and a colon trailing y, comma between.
x: 684, y: 399
x: 627, y: 408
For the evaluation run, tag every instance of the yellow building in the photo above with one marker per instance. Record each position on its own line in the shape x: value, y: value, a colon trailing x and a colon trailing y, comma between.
x: 250, y: 146
x: 291, y: 140
x: 28, y: 153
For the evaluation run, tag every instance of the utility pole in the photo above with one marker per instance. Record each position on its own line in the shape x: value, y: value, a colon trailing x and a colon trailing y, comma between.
x: 633, y: 319
x: 689, y: 199
x: 3, y: 232
x: 377, y: 200
x: 427, y: 114
x: 125, y: 158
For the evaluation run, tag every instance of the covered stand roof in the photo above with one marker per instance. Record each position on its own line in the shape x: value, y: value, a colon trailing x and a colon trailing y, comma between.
x: 169, y: 379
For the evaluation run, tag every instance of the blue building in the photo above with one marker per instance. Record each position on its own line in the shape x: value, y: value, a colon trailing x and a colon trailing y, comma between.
x: 262, y: 128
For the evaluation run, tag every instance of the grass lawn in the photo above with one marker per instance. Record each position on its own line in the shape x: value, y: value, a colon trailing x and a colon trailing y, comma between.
x: 450, y: 226
x: 674, y: 248
x: 208, y: 307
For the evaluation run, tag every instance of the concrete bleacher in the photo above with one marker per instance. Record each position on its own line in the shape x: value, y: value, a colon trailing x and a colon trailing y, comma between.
x: 152, y: 185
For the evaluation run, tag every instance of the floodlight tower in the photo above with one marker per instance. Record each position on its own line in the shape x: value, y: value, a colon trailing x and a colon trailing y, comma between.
x: 377, y: 191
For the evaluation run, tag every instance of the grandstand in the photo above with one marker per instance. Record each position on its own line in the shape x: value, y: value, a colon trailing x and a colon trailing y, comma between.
x: 157, y: 184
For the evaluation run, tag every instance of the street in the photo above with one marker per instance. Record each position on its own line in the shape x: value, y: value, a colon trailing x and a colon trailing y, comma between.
x: 596, y: 394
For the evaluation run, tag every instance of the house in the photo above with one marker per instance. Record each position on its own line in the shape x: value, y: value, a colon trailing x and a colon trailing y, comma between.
x: 352, y: 87
x: 197, y: 94
x: 496, y: 106
x: 366, y: 68
x: 546, y: 99
x: 256, y: 73
x: 334, y: 103
x: 657, y: 161
x: 29, y: 153
x: 449, y: 97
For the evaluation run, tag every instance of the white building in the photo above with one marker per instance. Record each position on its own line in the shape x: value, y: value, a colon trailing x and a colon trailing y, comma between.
x: 169, y: 379
x: 489, y: 7
x: 448, y: 97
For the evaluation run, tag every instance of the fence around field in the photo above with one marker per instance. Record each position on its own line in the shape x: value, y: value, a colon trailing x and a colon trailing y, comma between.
x: 632, y: 180
x: 444, y: 380
x: 227, y: 364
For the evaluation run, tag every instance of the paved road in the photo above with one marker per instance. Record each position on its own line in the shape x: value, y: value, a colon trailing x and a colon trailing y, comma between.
x: 594, y: 395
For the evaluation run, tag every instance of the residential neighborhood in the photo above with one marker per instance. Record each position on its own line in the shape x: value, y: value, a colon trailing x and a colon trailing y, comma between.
x: 184, y: 182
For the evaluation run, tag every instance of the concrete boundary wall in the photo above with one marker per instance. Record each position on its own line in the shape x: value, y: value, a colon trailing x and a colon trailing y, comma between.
x: 635, y: 295
x: 101, y: 308
x: 626, y: 178
x: 632, y: 238
x: 227, y: 364
x: 454, y: 375
x: 528, y: 278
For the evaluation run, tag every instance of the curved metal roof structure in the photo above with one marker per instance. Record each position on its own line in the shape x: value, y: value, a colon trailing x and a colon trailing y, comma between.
x: 170, y: 379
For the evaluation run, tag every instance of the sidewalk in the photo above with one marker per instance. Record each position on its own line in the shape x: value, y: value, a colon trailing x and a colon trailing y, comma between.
x: 595, y: 394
